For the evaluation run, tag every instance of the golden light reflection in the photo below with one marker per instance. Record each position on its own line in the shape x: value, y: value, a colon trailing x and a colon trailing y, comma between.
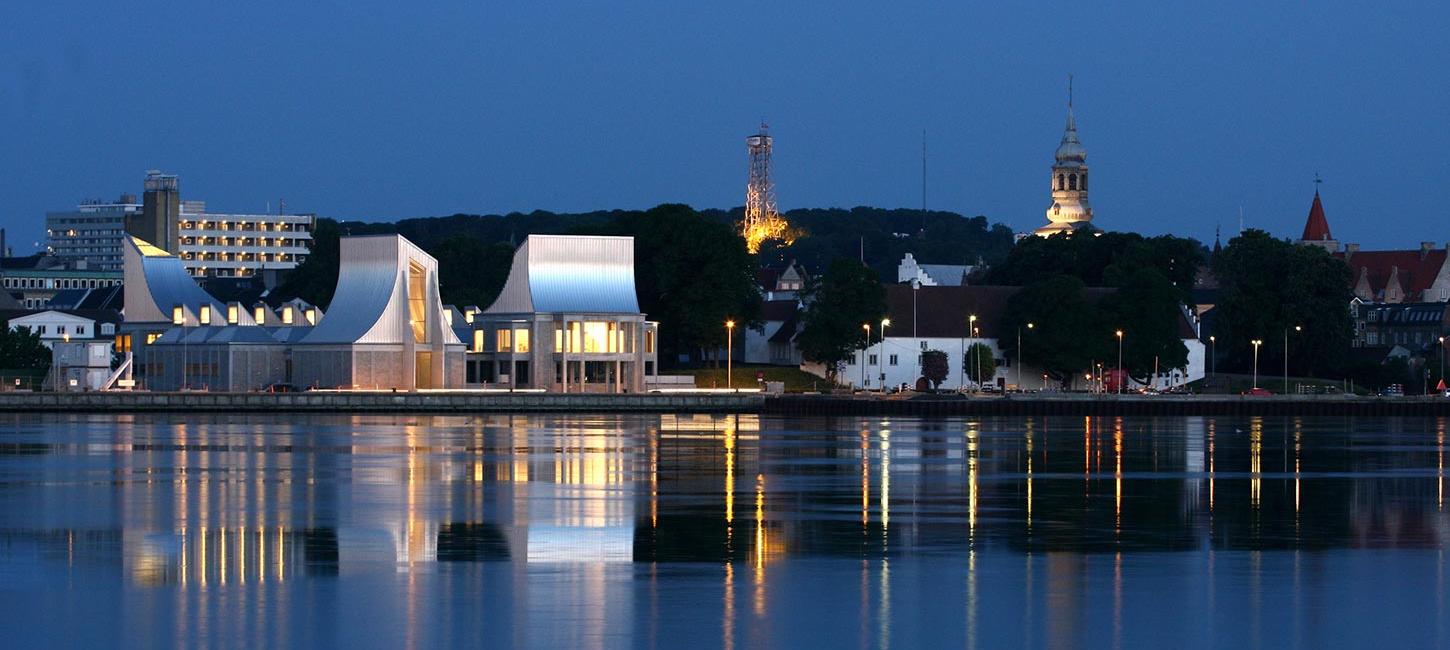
x: 1212, y: 425
x: 1117, y: 474
x: 885, y: 480
x: 729, y: 478
x: 761, y: 544
x: 1256, y: 448
x: 1029, y: 475
x: 727, y: 618
x: 865, y: 477
x: 972, y: 483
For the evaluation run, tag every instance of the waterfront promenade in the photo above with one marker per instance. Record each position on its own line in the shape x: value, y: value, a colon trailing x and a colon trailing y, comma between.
x: 715, y: 402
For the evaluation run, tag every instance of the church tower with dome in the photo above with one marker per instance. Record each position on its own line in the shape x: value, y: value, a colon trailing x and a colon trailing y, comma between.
x: 1070, y: 209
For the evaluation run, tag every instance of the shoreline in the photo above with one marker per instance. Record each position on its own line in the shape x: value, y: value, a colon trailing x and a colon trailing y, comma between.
x: 800, y: 405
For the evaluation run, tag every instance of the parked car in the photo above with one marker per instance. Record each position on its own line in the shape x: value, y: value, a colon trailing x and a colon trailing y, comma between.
x: 280, y: 388
x: 1257, y: 392
x: 1393, y: 390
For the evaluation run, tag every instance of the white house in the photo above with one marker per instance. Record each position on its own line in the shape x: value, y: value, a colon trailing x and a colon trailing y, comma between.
x: 55, y: 325
x: 937, y: 318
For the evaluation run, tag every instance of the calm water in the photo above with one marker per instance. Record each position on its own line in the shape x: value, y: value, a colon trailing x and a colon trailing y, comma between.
x: 713, y: 531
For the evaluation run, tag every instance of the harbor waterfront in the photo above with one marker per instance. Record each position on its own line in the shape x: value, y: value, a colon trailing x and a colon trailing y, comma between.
x: 722, y: 402
x: 721, y: 530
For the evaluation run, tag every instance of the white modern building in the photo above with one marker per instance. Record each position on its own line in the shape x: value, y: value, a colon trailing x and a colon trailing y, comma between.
x: 936, y: 318
x: 567, y: 320
x: 240, y: 245
x: 91, y: 234
x: 386, y: 332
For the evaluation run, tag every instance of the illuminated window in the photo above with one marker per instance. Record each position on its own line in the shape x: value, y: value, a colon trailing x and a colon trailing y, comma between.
x: 178, y: 315
x: 501, y: 340
x: 233, y: 314
x: 259, y: 314
x: 575, y: 340
x: 417, y: 295
x: 558, y: 339
x: 521, y: 340
x: 287, y: 316
x: 478, y: 340
x: 649, y: 342
x: 468, y: 317
x: 204, y: 315
x: 151, y: 338
x: 311, y: 315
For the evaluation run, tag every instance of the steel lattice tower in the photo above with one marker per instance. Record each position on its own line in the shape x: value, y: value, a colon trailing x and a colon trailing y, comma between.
x: 761, y: 221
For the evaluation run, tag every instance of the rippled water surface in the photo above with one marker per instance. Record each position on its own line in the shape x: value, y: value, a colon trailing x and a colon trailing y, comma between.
x: 716, y: 531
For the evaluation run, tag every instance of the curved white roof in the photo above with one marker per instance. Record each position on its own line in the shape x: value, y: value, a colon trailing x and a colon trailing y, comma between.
x: 370, y: 304
x: 570, y: 273
x: 156, y: 282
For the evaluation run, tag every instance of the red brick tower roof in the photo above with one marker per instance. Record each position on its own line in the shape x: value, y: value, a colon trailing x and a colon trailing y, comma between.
x: 1317, y: 227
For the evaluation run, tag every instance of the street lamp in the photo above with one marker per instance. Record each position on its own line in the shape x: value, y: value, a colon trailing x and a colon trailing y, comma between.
x: 867, y: 327
x: 729, y: 354
x: 1442, y: 363
x: 972, y: 335
x: 1120, y: 361
x: 1212, y: 355
x: 1257, y: 343
x: 1019, y: 356
x: 881, y: 369
x: 1297, y: 328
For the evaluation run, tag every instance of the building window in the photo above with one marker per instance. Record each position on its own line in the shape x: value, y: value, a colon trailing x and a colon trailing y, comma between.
x: 501, y: 342
x: 233, y: 314
x: 649, y: 342
x: 891, y: 360
x: 521, y: 341
x: 478, y: 340
x: 417, y: 298
x: 871, y: 360
x: 205, y: 315
x: 80, y: 330
x: 259, y: 314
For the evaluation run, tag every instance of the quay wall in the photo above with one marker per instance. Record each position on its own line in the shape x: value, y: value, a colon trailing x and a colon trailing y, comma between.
x: 805, y: 405
x: 360, y: 402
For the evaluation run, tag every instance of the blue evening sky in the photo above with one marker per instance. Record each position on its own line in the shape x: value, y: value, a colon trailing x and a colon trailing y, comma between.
x: 359, y: 109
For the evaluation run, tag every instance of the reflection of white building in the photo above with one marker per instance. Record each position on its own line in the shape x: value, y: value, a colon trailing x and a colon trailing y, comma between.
x: 566, y: 320
x: 386, y: 332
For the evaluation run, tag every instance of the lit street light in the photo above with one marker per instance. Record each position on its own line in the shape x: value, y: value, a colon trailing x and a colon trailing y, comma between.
x: 1212, y: 355
x: 1019, y: 356
x: 1257, y: 343
x: 867, y: 327
x: 885, y: 322
x: 729, y: 354
x: 1120, y: 361
x: 1297, y: 328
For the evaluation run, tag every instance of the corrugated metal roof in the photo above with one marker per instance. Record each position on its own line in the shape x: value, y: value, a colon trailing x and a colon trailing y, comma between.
x: 370, y: 304
x: 156, y: 282
x: 571, y: 274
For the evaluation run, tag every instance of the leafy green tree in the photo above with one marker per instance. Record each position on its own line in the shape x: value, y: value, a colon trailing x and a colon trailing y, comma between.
x: 980, y: 365
x: 1267, y: 287
x: 1101, y: 259
x: 471, y: 272
x: 1146, y: 309
x: 838, y: 303
x: 21, y: 349
x: 692, y: 275
x: 1068, y: 332
x: 935, y: 367
x: 315, y: 278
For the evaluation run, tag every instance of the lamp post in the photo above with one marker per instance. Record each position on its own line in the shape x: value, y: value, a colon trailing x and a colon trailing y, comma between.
x: 729, y: 355
x: 880, y: 368
x: 1297, y: 328
x: 972, y: 335
x: 1019, y: 356
x: 1442, y: 361
x: 1119, y: 333
x: 867, y: 327
x: 1257, y: 343
x: 1212, y: 355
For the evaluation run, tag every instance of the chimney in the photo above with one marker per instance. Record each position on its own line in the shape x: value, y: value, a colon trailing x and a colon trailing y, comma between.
x: 1351, y: 249
x: 1425, y: 248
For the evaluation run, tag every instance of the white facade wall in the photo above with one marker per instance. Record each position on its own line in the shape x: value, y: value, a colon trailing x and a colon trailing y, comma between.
x: 905, y: 370
x: 756, y: 347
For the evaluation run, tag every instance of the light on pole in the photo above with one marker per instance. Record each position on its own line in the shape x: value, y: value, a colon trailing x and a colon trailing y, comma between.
x: 1212, y: 355
x: 1442, y: 361
x: 1257, y: 343
x: 885, y: 322
x: 1297, y: 328
x: 1019, y: 356
x: 729, y: 354
x: 867, y: 327
x: 1120, y: 361
x: 972, y: 335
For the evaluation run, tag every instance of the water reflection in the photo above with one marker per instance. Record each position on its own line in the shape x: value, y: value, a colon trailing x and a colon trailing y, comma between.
x: 581, y: 531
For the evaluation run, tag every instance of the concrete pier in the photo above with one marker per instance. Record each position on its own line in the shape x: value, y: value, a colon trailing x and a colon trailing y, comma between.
x: 386, y: 402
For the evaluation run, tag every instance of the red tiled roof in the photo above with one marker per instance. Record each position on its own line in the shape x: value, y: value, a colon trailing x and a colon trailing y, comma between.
x: 1417, y: 269
x: 777, y: 310
x: 1316, y: 228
